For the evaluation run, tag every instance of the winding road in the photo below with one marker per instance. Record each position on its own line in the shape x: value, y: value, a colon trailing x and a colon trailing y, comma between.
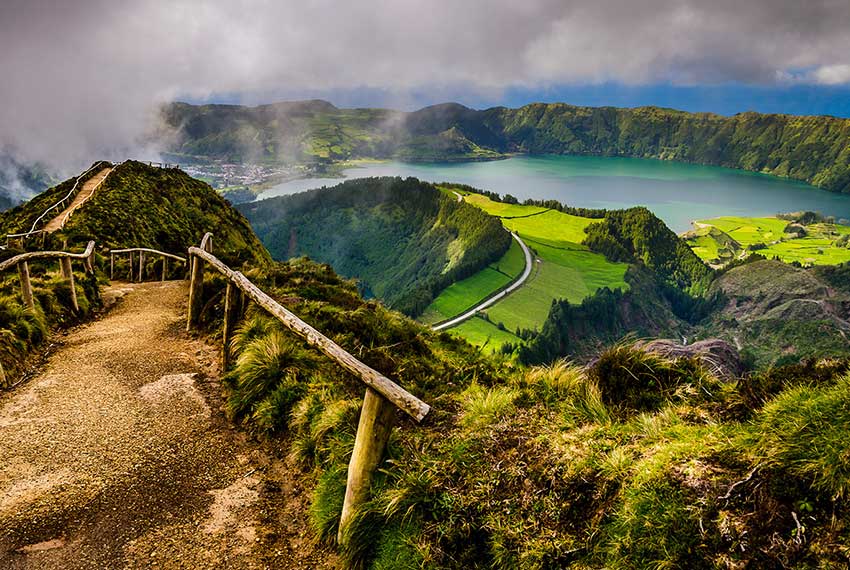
x: 529, y: 263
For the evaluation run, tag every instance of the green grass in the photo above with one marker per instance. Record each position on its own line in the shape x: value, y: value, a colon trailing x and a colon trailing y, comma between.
x: 562, y: 273
x: 484, y: 334
x: 817, y: 248
x: 465, y: 294
x: 553, y: 226
x: 501, y: 209
x: 565, y: 270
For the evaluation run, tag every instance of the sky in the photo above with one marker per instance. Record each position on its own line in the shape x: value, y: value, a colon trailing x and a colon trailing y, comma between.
x: 81, y: 80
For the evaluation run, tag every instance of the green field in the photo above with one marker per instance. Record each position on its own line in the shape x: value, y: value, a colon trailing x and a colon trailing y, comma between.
x: 465, y: 294
x: 567, y: 271
x: 563, y: 269
x: 821, y: 245
x: 484, y: 334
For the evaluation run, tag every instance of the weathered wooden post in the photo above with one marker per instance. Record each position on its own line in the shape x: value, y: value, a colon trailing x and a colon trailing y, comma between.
x: 112, y: 265
x: 88, y: 264
x: 164, y: 267
x: 141, y: 266
x: 26, y: 286
x: 196, y: 288
x: 67, y: 271
x: 64, y: 268
x: 373, y: 431
x: 232, y: 311
x: 196, y: 283
x: 130, y: 277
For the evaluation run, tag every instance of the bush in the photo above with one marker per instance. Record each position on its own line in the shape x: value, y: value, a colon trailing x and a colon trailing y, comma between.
x: 633, y: 380
x: 803, y: 432
x: 268, y: 379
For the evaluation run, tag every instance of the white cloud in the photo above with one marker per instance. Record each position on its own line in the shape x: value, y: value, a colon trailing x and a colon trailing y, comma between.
x: 832, y: 74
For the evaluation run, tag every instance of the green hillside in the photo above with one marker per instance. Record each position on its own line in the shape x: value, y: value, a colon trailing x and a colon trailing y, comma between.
x: 404, y: 240
x: 812, y: 149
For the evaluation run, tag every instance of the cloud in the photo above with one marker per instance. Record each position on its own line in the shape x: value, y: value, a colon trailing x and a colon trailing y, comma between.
x: 80, y: 80
x: 832, y: 74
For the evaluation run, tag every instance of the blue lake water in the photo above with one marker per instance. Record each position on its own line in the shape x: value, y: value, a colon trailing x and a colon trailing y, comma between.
x: 678, y: 193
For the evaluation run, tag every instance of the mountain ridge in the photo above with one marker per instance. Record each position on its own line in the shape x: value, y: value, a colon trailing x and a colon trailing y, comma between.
x: 813, y: 149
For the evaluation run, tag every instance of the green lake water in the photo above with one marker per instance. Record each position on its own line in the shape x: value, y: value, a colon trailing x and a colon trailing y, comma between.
x: 678, y: 193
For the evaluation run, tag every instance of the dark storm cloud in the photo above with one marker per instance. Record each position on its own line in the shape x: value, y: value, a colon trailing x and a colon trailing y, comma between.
x: 80, y: 79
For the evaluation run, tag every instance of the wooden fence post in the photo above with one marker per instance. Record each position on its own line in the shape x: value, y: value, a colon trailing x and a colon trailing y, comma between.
x: 130, y: 278
x: 373, y: 431
x: 88, y: 264
x: 141, y: 266
x: 64, y: 268
x: 232, y: 310
x: 111, y: 266
x: 196, y: 288
x: 164, y: 267
x: 67, y: 270
x: 26, y: 286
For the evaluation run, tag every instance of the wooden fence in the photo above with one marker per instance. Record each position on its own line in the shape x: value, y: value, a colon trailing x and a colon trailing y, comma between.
x: 58, y: 206
x: 382, y: 394
x: 64, y: 257
x: 142, y: 253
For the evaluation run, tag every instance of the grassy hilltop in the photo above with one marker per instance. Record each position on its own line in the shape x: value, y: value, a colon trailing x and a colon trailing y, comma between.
x: 812, y: 149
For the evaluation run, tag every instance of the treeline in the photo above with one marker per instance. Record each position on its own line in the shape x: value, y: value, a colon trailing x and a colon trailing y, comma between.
x: 403, y: 239
x: 636, y: 235
x: 510, y: 199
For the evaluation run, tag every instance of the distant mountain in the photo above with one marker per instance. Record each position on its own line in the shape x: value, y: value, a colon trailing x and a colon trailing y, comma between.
x: 812, y: 149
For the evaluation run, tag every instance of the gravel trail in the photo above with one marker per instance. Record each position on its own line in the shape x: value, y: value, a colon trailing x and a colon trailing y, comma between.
x: 118, y: 456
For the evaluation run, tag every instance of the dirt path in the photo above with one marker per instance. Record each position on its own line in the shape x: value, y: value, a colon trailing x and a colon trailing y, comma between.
x: 89, y: 186
x: 117, y: 456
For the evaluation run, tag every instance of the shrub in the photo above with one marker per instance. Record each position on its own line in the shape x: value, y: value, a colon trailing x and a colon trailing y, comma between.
x: 268, y: 379
x: 803, y: 432
x: 635, y: 380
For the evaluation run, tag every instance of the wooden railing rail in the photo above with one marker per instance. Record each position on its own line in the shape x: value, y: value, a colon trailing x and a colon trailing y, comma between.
x: 64, y: 257
x: 61, y: 204
x: 382, y: 394
x: 141, y: 251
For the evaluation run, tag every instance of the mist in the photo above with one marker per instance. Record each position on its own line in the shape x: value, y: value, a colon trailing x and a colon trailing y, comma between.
x: 82, y: 81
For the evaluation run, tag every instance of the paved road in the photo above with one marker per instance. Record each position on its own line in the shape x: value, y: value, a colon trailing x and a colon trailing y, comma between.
x: 529, y: 264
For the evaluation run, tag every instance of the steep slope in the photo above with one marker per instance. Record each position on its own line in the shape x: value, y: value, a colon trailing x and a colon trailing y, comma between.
x: 812, y: 149
x: 777, y: 313
x: 403, y: 239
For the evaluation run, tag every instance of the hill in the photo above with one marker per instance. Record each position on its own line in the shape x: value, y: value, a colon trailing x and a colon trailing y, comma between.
x: 404, y: 240
x: 812, y: 149
x: 776, y: 313
x: 144, y: 206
